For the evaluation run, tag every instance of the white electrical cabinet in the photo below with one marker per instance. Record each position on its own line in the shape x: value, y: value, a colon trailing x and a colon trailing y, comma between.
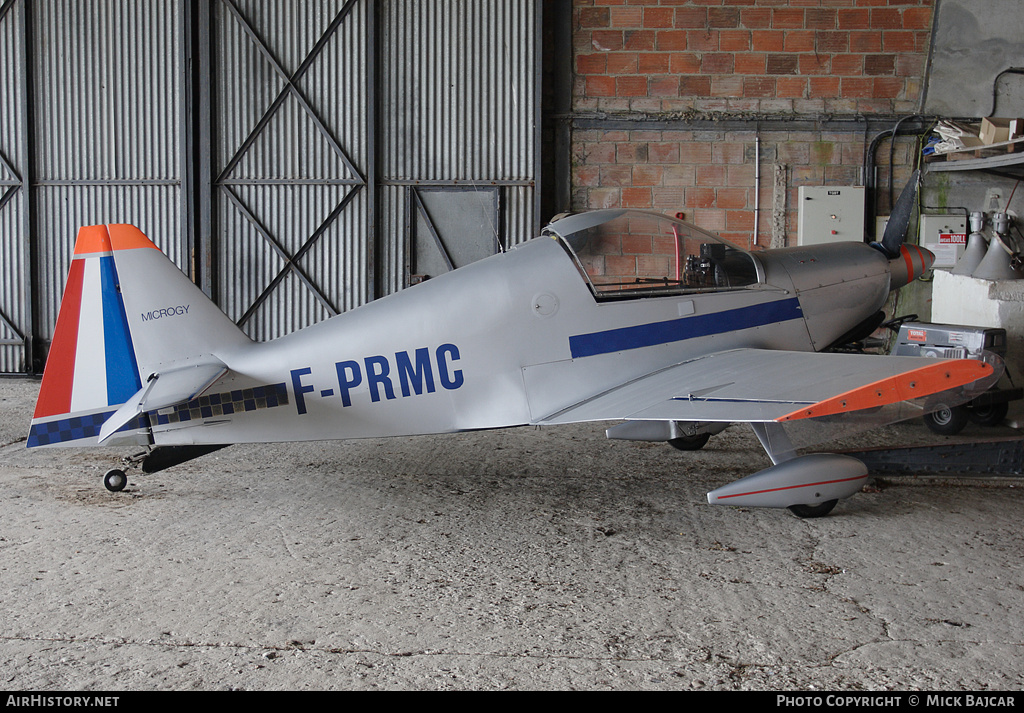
x: 829, y: 214
x: 945, y: 236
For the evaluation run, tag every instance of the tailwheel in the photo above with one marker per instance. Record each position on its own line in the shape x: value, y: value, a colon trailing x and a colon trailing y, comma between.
x: 115, y: 480
x: 808, y: 511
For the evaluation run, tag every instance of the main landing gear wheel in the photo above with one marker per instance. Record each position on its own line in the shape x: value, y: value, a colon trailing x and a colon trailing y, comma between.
x: 991, y: 415
x: 947, y: 421
x: 115, y: 480
x: 690, y: 443
x: 808, y: 511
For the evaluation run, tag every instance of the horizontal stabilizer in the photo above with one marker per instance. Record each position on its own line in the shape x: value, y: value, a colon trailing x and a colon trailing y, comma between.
x: 165, y: 389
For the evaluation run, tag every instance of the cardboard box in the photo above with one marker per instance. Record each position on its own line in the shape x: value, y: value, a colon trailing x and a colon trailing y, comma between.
x: 995, y: 131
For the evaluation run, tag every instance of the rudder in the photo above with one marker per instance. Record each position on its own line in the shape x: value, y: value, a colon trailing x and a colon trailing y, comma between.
x: 127, y: 313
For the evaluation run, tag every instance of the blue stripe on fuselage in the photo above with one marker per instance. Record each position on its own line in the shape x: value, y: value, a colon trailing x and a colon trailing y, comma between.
x: 677, y: 330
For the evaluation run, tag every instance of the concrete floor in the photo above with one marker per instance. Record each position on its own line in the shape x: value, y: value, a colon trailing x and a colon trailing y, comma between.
x: 520, y: 559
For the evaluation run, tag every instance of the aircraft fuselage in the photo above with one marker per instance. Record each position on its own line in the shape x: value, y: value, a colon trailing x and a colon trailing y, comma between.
x: 509, y: 341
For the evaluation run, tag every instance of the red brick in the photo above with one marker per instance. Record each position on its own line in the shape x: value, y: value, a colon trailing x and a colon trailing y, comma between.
x: 866, y: 41
x: 703, y: 40
x: 663, y: 86
x: 626, y: 17
x: 615, y: 265
x: 718, y: 63
x: 790, y: 87
x: 909, y: 65
x: 631, y: 86
x: 727, y: 86
x: 622, y: 63
x: 739, y: 220
x: 593, y: 17
x: 756, y: 18
x: 857, y: 88
x: 600, y: 86
x: 889, y: 87
x: 699, y: 197
x: 684, y: 63
x: 711, y: 175
x: 728, y: 152
x: 671, y: 40
x: 788, y: 18
x: 815, y: 64
x: 760, y: 87
x: 734, y: 40
x: 654, y: 63
x: 848, y: 65
x: 886, y: 19
x: 880, y: 64
x: 742, y: 175
x: 637, y: 244
x: 679, y: 175
x: 652, y: 265
x: 823, y: 87
x: 831, y: 42
x: 587, y: 176
x: 698, y: 152
x: 592, y: 64
x: 606, y: 40
x: 630, y: 152
x: 782, y: 64
x: 599, y: 153
x: 723, y: 17
x: 695, y: 86
x: 799, y: 41
x: 917, y: 18
x: 899, y: 41
x: 647, y: 175
x: 663, y: 153
x: 639, y: 40
x: 713, y: 220
x: 658, y: 17
x: 750, y: 63
x: 636, y: 197
x: 616, y: 175
x: 854, y: 19
x: 599, y: 198
x: 768, y: 41
x: 691, y: 17
x: 821, y: 19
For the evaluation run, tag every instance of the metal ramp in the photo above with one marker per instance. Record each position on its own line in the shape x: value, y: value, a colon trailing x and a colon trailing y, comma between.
x: 999, y: 457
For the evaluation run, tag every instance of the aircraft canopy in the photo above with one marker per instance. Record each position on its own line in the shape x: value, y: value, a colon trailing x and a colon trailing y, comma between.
x: 624, y: 254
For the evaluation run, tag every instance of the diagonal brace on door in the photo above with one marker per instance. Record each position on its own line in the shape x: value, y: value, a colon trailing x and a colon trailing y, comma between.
x: 20, y: 341
x: 289, y: 261
x: 421, y: 209
x: 292, y: 262
x: 290, y: 88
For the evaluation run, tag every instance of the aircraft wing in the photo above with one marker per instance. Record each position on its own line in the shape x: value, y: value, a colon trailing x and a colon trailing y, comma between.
x: 761, y: 385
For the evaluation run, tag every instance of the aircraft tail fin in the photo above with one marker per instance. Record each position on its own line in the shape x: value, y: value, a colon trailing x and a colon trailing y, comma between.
x: 127, y: 314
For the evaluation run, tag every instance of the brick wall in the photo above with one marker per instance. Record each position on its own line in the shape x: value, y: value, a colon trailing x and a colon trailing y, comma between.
x: 845, y: 56
x: 661, y: 65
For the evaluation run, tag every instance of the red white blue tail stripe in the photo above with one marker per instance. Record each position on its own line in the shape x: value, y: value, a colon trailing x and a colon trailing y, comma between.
x: 91, y: 368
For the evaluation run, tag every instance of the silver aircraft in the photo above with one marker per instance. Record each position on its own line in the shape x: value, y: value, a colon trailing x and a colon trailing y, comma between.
x: 553, y: 331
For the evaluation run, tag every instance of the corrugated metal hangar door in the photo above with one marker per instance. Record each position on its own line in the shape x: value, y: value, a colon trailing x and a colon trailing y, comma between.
x: 90, y: 96
x: 297, y: 158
